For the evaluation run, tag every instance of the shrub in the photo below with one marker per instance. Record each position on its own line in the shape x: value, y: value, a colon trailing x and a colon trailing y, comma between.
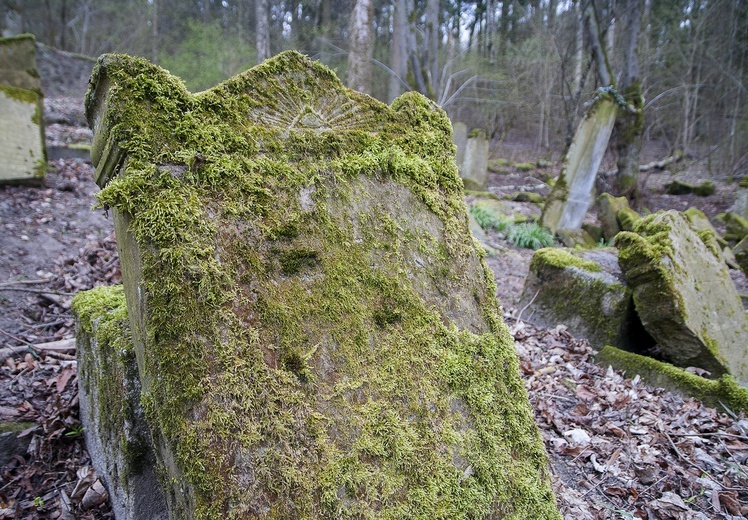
x: 490, y: 220
x: 530, y: 235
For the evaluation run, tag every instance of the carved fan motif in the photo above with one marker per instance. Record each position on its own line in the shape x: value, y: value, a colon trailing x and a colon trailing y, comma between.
x: 328, y: 109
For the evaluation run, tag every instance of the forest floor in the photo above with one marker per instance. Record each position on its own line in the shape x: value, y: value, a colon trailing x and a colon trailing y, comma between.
x: 618, y: 448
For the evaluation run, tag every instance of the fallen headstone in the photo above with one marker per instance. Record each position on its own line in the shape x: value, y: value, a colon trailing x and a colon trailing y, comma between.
x: 315, y: 332
x: 584, y: 291
x: 684, y: 295
x: 22, y: 154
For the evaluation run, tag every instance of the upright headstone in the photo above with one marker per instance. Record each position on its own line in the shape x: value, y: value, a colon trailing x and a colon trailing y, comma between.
x: 459, y: 137
x: 570, y: 199
x: 315, y: 332
x: 475, y: 162
x: 22, y: 154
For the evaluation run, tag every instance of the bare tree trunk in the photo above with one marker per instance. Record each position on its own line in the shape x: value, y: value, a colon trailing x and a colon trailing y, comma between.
x: 361, y: 33
x: 399, y: 49
x: 630, y: 123
x: 598, y: 48
x: 154, y: 32
x: 262, y: 28
x: 504, y: 27
x: 432, y: 44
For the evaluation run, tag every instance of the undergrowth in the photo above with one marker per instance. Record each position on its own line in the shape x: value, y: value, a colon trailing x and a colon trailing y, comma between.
x: 529, y: 235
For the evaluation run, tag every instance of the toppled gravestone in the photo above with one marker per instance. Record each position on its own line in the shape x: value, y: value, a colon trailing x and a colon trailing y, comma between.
x: 684, y: 295
x: 315, y: 333
x: 586, y: 292
x: 608, y: 208
x: 115, y: 428
x: 22, y: 154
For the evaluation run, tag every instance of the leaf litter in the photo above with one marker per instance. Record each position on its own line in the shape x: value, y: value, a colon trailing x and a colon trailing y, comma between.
x: 617, y: 448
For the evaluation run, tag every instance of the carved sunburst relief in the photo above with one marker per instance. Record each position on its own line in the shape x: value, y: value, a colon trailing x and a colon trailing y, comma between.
x: 319, y: 108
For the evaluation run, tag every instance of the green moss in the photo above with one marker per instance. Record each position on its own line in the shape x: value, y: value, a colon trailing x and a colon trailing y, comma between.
x: 20, y: 94
x: 524, y: 167
x: 705, y: 189
x: 627, y: 219
x: 656, y: 373
x: 17, y: 38
x: 235, y: 369
x: 528, y: 196
x: 477, y: 133
x: 561, y: 259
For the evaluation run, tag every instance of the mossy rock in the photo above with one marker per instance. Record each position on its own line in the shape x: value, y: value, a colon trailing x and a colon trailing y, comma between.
x: 595, y: 231
x: 499, y: 166
x: 608, y: 209
x: 316, y: 331
x: 715, y: 393
x: 705, y: 189
x: 684, y: 295
x: 737, y: 227
x: 627, y: 218
x: 541, y: 164
x: 583, y: 290
x: 528, y: 196
x: 740, y: 252
x: 524, y: 167
x: 679, y: 188
x: 576, y: 238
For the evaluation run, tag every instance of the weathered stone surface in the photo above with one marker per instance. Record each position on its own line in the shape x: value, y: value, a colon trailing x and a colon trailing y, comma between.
x: 740, y: 252
x: 22, y: 155
x: 627, y: 219
x: 584, y: 291
x: 737, y: 227
x: 570, y: 199
x: 114, y: 422
x: 474, y: 166
x: 608, y: 208
x: 315, y: 331
x: 684, y: 295
x: 575, y: 238
x: 63, y: 74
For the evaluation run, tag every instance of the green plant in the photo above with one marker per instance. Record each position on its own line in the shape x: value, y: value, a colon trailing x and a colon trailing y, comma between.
x: 530, y: 235
x: 38, y: 502
x: 489, y: 220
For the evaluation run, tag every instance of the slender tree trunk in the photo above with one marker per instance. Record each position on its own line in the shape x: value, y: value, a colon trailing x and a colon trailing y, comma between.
x: 432, y: 42
x: 399, y: 49
x: 262, y: 29
x: 154, y: 32
x: 598, y: 46
x: 630, y: 123
x: 579, y: 47
x: 504, y: 27
x: 361, y: 33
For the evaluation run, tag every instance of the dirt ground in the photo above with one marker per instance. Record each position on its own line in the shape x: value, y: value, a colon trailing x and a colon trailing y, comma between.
x: 618, y: 448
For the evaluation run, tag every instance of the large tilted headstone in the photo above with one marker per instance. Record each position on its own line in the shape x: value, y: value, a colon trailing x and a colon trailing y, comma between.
x: 571, y: 196
x: 22, y: 154
x: 315, y: 332
x: 684, y: 295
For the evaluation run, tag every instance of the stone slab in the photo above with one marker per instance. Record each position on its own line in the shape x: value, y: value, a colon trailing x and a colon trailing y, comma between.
x: 474, y: 168
x: 310, y: 315
x: 18, y: 63
x: 684, y: 295
x: 584, y: 291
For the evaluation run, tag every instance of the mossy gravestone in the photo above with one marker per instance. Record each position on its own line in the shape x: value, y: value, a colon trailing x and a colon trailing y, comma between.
x: 22, y: 153
x: 684, y: 295
x: 315, y: 332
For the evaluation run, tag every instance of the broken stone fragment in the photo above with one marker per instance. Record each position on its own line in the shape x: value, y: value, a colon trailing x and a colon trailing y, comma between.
x: 575, y: 238
x: 115, y: 428
x: 584, y: 291
x: 677, y: 187
x: 626, y: 219
x: 684, y: 295
x: 608, y: 208
x: 316, y: 333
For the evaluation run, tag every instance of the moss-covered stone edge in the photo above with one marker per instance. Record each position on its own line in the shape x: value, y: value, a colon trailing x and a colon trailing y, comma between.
x: 714, y: 393
x: 168, y: 210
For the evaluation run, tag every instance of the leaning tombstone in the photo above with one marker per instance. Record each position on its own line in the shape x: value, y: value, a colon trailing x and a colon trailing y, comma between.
x: 315, y: 331
x: 570, y: 199
x: 474, y: 168
x: 22, y: 154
